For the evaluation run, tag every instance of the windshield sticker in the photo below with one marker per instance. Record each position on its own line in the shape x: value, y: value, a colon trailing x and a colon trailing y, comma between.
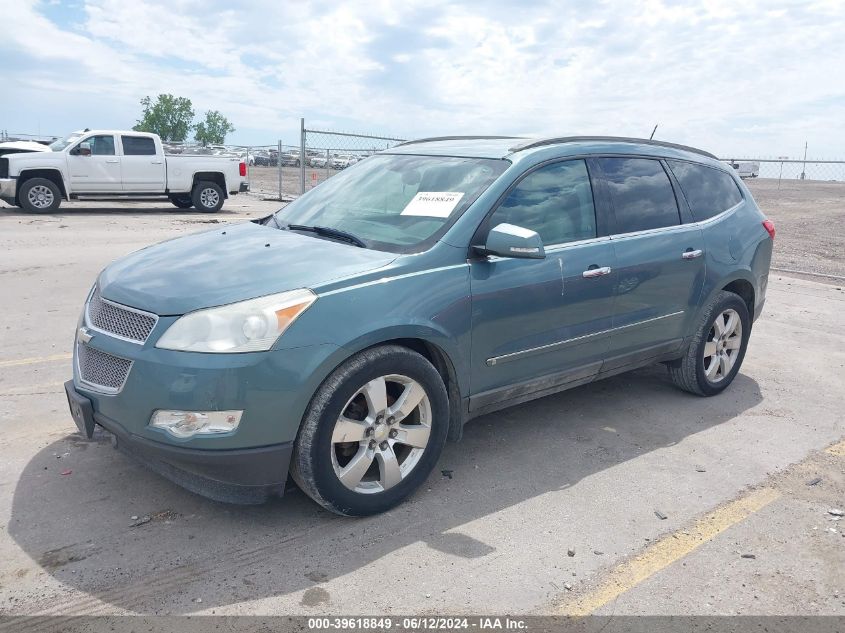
x: 433, y: 204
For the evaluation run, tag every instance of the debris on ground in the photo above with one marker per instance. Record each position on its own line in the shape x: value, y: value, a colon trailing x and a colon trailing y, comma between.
x: 567, y: 586
x: 570, y: 552
x: 836, y: 512
x: 748, y: 556
x: 660, y: 515
x: 700, y: 469
x: 598, y: 552
x: 66, y: 472
x: 141, y: 521
x: 814, y: 481
x: 447, y: 473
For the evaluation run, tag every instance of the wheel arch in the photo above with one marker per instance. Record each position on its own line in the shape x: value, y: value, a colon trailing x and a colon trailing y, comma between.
x: 53, y: 175
x: 432, y: 346
x: 211, y: 176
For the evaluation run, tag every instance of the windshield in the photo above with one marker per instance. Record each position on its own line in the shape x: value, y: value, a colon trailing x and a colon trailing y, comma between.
x: 59, y: 145
x: 395, y: 202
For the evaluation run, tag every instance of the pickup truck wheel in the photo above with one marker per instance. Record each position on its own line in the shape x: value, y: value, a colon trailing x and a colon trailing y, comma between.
x: 182, y: 201
x: 372, y: 433
x: 207, y: 197
x: 717, y: 350
x: 39, y: 195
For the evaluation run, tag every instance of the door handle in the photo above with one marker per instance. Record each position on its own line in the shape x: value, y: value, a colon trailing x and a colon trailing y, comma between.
x: 596, y: 272
x: 156, y: 162
x: 692, y: 254
x: 112, y: 160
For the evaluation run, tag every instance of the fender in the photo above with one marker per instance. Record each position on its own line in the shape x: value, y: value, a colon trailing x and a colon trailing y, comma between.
x: 65, y: 187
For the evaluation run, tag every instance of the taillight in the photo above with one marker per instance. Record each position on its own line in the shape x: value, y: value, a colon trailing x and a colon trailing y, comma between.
x: 242, y: 169
x: 770, y: 228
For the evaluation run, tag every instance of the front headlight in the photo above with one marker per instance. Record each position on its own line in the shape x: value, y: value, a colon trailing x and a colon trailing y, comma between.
x: 247, y: 326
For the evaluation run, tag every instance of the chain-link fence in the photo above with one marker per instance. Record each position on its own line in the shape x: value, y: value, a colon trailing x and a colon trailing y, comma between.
x: 327, y: 153
x: 789, y: 169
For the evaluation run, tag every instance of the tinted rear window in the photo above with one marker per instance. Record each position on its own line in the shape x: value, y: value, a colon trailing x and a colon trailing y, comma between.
x: 708, y: 191
x: 138, y: 146
x: 641, y: 192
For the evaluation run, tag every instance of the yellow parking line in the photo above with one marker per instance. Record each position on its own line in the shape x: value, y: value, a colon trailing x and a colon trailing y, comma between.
x: 668, y: 550
x: 837, y: 449
x: 35, y: 359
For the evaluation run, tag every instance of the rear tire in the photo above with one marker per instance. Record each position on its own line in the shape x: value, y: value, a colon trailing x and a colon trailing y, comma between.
x: 372, y: 433
x: 207, y: 197
x: 182, y: 201
x: 717, y: 350
x: 39, y: 195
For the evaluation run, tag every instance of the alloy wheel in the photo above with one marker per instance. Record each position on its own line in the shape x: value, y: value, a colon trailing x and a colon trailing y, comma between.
x: 722, y: 347
x: 40, y: 197
x: 381, y: 434
x: 209, y: 197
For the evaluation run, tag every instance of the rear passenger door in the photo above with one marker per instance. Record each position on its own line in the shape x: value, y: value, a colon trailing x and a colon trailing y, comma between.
x: 143, y: 167
x: 659, y: 259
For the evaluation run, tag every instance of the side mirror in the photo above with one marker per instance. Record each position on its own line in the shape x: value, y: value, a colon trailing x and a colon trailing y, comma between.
x: 84, y: 149
x: 509, y: 240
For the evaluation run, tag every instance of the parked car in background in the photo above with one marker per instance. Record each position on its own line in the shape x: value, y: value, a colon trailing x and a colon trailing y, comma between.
x: 342, y: 161
x: 746, y: 169
x: 289, y: 158
x: 117, y: 162
x: 320, y: 161
x: 432, y: 283
x: 20, y: 147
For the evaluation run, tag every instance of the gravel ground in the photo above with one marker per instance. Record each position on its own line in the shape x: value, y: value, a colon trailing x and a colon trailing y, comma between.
x: 809, y: 217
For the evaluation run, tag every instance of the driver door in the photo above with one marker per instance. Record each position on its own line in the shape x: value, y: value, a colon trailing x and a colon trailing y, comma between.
x: 94, y: 166
x: 540, y: 324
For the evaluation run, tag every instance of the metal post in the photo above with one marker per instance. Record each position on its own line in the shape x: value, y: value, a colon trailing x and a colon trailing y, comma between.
x: 248, y: 170
x: 804, y: 165
x: 327, y: 163
x: 279, y: 166
x: 301, y: 156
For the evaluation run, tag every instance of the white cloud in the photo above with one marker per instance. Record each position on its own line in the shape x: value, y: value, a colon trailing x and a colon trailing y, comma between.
x: 734, y: 77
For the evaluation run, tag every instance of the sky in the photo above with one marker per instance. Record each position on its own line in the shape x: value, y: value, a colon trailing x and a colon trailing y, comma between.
x: 739, y: 78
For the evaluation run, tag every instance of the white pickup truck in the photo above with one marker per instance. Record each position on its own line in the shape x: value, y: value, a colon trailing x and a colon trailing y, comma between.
x: 109, y: 163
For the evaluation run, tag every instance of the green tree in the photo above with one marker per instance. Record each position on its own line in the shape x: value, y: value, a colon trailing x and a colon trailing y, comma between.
x: 214, y: 129
x: 170, y: 117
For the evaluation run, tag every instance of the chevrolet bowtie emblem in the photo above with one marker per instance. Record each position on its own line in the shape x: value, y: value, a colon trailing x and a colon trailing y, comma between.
x: 84, y: 335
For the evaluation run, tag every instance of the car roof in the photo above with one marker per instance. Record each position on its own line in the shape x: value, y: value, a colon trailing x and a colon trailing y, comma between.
x: 516, y: 148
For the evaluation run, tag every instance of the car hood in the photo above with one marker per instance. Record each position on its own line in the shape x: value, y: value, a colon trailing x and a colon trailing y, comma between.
x: 230, y: 264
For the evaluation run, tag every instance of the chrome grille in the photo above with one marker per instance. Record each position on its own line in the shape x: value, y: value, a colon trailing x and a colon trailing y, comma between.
x: 118, y: 320
x: 102, y: 370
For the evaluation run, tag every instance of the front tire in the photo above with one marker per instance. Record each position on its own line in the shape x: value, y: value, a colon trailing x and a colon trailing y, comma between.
x: 207, y: 197
x: 717, y: 350
x: 373, y: 432
x: 182, y: 201
x: 39, y: 195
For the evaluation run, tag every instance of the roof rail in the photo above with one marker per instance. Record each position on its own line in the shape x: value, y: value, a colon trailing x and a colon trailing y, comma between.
x: 617, y: 139
x: 432, y: 139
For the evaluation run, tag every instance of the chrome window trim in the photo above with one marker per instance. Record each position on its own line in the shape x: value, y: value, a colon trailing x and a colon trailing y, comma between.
x: 100, y: 389
x: 555, y: 248
x: 120, y: 306
x: 495, y: 360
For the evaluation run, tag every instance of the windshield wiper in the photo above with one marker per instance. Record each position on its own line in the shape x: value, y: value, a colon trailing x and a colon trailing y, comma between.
x: 327, y: 231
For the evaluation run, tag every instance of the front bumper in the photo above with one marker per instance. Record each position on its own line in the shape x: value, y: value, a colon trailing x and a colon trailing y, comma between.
x: 232, y: 476
x: 272, y: 389
x: 8, y: 189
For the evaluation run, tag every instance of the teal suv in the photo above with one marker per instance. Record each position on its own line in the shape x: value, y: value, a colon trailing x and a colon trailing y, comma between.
x: 345, y: 338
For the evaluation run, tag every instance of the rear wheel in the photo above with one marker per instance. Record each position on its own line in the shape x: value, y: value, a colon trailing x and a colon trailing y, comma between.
x: 372, y: 433
x: 183, y: 201
x: 717, y: 350
x: 207, y: 197
x: 39, y: 195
